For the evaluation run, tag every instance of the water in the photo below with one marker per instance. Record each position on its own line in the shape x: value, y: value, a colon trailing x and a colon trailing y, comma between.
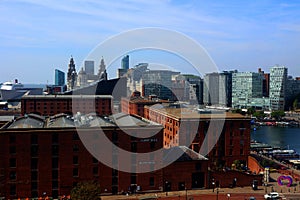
x: 284, y: 137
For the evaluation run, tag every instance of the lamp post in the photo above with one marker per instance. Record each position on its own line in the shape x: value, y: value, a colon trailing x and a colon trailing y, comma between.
x: 217, y: 190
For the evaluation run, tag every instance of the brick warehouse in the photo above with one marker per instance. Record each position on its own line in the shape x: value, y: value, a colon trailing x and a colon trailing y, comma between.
x: 45, y: 155
x: 49, y: 105
x: 233, y: 143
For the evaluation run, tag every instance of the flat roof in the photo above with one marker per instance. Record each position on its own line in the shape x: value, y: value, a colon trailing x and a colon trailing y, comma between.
x: 67, y: 97
x: 185, y: 113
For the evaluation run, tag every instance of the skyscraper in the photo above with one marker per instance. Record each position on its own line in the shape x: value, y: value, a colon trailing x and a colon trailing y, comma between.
x: 278, y: 80
x: 125, y: 62
x: 59, y: 78
x: 89, y: 66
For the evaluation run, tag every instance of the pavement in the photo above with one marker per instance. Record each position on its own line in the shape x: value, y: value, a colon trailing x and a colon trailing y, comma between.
x: 238, y: 193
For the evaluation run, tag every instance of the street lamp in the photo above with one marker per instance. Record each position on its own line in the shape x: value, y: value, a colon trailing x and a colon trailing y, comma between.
x: 228, y: 196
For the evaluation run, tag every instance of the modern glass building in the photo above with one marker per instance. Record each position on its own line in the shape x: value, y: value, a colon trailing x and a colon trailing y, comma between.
x: 278, y: 81
x: 246, y: 86
x: 125, y: 62
x: 59, y: 78
x: 89, y: 67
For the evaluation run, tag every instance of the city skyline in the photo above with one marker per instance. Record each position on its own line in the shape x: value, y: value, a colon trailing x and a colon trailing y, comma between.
x: 255, y: 34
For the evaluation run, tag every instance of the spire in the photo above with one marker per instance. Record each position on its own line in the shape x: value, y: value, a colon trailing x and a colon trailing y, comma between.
x: 102, y: 67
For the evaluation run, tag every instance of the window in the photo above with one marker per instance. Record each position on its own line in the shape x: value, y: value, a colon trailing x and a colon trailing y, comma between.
x: 75, y: 160
x: 133, y: 179
x: 75, y: 148
x: 34, y: 163
x: 34, y: 186
x: 230, y: 152
x: 12, y: 162
x: 114, y: 137
x: 95, y: 161
x: 34, y: 175
x: 12, y: 190
x: 12, y: 175
x: 34, y: 151
x: 114, y: 172
x: 133, y: 147
x: 12, y: 149
x: 242, y: 151
x: 95, y: 171
x: 55, y: 138
x: 12, y: 139
x: 55, y: 150
x: 151, y: 181
x: 34, y: 139
x: 54, y: 163
x: 75, y: 136
x: 54, y: 184
x: 75, y: 172
x: 152, y: 145
x: 54, y: 174
x: 198, y: 166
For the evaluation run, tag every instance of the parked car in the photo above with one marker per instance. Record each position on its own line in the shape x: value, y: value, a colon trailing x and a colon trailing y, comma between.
x: 272, y: 195
x: 252, y: 198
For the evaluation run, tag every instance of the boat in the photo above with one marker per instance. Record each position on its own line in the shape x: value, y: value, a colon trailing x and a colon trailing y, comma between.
x: 10, y: 91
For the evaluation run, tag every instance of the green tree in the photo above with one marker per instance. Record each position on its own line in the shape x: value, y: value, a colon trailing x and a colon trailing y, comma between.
x: 86, y: 191
x: 278, y: 114
x: 295, y: 104
x: 259, y: 114
x: 250, y: 111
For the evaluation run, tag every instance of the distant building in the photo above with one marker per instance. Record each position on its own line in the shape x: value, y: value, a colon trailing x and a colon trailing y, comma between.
x: 246, y: 86
x: 59, y: 78
x: 217, y: 88
x: 266, y: 82
x: 195, y: 88
x: 125, y: 62
x: 71, y: 75
x: 278, y: 86
x: 89, y: 66
x: 158, y: 82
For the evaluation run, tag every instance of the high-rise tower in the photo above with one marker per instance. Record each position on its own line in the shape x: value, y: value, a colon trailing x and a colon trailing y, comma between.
x: 125, y: 62
x: 72, y: 75
x: 59, y: 78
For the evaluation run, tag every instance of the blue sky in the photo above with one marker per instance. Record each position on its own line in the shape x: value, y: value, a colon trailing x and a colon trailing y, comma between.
x: 38, y: 36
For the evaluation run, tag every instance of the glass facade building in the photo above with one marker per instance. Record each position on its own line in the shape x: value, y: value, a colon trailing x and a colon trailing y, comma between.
x: 59, y: 78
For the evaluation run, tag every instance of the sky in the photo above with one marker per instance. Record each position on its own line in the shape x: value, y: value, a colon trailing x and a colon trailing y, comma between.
x: 37, y: 37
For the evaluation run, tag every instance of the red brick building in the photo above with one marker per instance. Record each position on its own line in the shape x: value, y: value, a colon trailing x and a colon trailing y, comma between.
x: 188, y: 127
x: 46, y: 156
x: 135, y: 104
x: 49, y: 105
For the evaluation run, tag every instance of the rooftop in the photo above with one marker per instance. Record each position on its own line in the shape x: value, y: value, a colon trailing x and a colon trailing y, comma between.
x: 188, y: 113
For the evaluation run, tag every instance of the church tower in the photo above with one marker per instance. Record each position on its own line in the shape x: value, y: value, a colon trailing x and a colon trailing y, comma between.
x: 72, y: 75
x: 102, y: 70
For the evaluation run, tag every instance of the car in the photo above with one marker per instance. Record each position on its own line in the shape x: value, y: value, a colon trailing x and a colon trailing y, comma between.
x: 252, y: 198
x: 272, y: 195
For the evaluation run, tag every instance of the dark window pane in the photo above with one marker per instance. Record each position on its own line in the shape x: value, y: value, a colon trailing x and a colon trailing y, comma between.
x: 34, y: 175
x: 54, y: 174
x: 34, y: 139
x: 12, y: 150
x: 54, y: 163
x: 12, y: 175
x: 55, y: 138
x: 34, y: 163
x: 12, y: 162
x: 12, y: 139
x: 75, y: 160
x: 34, y: 151
x: 75, y: 172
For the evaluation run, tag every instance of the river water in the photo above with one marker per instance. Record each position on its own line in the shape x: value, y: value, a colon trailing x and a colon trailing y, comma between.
x: 284, y: 137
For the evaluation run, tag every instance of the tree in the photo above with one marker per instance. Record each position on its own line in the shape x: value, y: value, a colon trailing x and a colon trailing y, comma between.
x: 295, y: 104
x: 259, y: 114
x: 278, y: 114
x: 86, y: 191
x: 250, y: 111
